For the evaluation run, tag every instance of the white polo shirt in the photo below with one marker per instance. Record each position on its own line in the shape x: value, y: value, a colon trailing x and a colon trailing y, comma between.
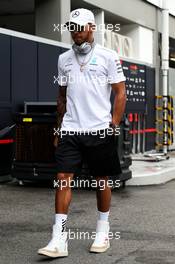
x: 88, y: 104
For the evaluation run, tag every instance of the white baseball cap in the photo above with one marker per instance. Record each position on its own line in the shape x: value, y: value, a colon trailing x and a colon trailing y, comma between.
x: 81, y: 16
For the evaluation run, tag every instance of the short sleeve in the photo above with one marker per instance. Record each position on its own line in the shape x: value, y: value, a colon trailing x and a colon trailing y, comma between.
x: 62, y: 78
x: 115, y: 71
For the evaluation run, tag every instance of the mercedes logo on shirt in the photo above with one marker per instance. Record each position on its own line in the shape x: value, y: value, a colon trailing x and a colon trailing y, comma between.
x: 75, y: 14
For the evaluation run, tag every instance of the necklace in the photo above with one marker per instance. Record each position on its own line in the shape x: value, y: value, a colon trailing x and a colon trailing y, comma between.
x: 83, y: 63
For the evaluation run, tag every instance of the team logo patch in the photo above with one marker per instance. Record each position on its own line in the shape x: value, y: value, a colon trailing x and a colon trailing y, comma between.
x: 94, y: 60
x: 75, y: 14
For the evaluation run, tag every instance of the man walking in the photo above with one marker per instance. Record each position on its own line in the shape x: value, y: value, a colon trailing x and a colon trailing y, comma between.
x: 87, y: 74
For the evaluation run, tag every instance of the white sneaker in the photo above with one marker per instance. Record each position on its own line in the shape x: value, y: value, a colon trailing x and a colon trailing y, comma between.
x: 101, y: 242
x: 58, y: 246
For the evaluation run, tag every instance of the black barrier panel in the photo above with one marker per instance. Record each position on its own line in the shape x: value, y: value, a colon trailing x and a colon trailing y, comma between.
x: 4, y: 69
x: 5, y: 116
x: 63, y: 50
x: 150, y: 113
x: 5, y: 79
x: 27, y: 72
x: 7, y: 139
x: 47, y: 72
x: 24, y: 71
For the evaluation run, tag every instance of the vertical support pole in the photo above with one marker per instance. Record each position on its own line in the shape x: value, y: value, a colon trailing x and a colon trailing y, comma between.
x: 165, y: 68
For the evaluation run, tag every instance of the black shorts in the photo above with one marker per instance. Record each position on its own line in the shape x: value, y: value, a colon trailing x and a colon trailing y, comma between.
x: 99, y: 153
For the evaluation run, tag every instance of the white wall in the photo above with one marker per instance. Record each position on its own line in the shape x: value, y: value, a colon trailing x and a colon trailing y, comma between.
x: 171, y: 4
x: 142, y: 42
x: 99, y: 20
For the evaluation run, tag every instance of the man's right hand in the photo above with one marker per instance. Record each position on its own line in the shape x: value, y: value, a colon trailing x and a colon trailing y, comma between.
x: 55, y: 142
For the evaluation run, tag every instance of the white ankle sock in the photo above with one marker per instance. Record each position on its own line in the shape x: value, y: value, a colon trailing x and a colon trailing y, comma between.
x: 61, y: 219
x: 103, y: 216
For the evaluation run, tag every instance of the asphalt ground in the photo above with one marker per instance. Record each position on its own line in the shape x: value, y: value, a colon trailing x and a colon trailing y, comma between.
x: 143, y: 216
